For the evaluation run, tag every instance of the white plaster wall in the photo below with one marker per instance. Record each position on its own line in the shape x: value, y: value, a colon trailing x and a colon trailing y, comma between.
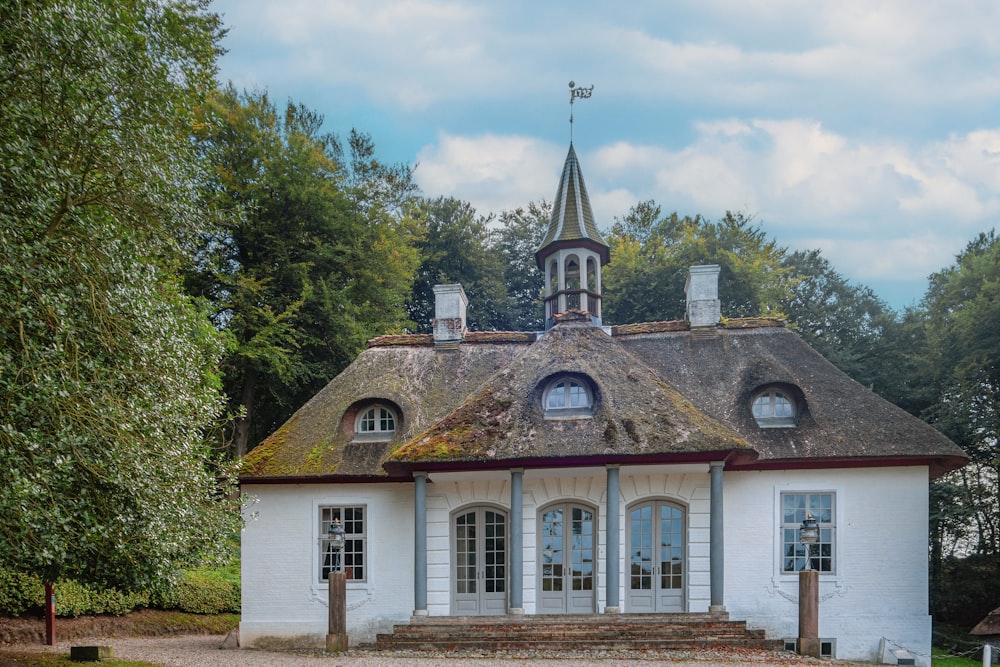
x: 283, y: 602
x: 452, y: 491
x: 879, y: 589
x: 880, y: 586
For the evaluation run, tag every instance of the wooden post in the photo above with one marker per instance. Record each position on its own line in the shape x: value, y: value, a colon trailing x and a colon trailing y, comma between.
x: 50, y: 614
x: 336, y: 638
x: 987, y: 655
x: 809, y: 613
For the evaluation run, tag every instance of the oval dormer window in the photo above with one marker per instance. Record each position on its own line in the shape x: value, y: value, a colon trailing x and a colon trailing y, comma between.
x: 773, y: 409
x: 567, y: 398
x: 375, y: 423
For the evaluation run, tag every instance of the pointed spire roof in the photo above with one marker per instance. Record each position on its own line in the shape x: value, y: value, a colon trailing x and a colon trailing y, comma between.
x: 572, y: 222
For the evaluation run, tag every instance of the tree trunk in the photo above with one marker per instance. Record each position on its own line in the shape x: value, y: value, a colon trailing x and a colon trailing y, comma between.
x: 241, y: 431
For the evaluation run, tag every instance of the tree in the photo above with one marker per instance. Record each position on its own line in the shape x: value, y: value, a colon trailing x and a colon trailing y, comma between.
x: 963, y: 344
x: 313, y: 254
x: 846, y: 323
x: 651, y: 254
x: 455, y: 247
x: 515, y: 240
x: 107, y: 369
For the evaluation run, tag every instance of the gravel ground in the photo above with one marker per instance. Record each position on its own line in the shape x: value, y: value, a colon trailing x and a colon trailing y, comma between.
x: 204, y: 651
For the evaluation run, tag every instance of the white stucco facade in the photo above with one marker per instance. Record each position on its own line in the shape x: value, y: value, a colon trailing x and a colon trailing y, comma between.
x: 878, y: 588
x: 284, y: 601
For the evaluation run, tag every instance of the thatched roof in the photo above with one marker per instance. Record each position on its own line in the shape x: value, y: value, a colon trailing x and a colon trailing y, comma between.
x: 635, y: 413
x: 661, y: 393
x: 989, y: 626
x: 839, y: 419
x: 422, y: 382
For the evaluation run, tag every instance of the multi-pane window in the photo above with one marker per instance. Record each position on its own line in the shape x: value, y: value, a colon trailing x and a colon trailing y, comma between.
x: 795, y: 507
x: 568, y: 395
x: 376, y: 422
x: 772, y: 408
x: 353, y: 557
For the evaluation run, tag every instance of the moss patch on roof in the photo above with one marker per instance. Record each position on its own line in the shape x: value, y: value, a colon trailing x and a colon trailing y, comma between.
x: 634, y: 413
x: 422, y: 382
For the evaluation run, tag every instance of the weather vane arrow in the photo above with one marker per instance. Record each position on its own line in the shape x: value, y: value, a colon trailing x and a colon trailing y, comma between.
x: 575, y: 93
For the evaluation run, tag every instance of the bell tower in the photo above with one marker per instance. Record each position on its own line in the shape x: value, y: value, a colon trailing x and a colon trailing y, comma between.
x: 572, y: 253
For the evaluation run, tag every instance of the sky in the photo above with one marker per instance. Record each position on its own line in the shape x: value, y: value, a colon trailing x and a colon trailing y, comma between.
x: 869, y: 129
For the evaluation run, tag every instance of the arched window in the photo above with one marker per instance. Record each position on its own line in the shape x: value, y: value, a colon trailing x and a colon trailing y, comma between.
x: 773, y: 409
x: 375, y: 423
x: 567, y: 398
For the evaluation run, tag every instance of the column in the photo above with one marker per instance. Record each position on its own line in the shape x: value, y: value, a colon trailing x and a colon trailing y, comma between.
x: 516, y: 542
x: 612, y: 602
x: 420, y: 544
x: 716, y: 550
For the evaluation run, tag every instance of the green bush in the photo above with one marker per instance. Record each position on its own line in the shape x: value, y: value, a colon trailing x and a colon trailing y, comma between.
x: 73, y: 599
x: 19, y: 592
x: 204, y: 592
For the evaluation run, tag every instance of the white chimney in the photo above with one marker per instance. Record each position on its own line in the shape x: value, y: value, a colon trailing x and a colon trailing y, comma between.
x: 702, y: 291
x: 450, y: 303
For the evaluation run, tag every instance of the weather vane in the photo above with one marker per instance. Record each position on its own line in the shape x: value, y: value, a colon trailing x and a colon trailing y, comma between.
x: 574, y: 93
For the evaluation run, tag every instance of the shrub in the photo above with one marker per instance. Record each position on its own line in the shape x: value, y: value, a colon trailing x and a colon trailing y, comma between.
x: 205, y: 592
x: 19, y: 592
x: 73, y: 599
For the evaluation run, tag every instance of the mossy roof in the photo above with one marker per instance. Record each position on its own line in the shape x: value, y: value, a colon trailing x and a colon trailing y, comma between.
x: 635, y: 412
x: 421, y: 382
x: 661, y: 393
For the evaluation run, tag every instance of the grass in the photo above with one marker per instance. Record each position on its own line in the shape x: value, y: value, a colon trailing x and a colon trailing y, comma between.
x: 32, y: 659
x: 941, y: 659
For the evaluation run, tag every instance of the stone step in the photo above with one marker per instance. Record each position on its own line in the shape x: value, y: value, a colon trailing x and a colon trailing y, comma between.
x: 576, y: 645
x: 596, y: 632
x: 627, y: 632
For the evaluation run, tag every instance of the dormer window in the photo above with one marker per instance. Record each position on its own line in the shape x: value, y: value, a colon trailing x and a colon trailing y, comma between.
x: 773, y: 409
x: 567, y: 398
x: 375, y: 423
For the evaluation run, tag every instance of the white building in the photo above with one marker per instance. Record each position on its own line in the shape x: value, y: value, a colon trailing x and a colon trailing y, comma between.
x: 594, y: 470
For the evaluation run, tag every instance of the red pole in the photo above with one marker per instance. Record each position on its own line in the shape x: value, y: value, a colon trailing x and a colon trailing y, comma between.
x: 50, y: 615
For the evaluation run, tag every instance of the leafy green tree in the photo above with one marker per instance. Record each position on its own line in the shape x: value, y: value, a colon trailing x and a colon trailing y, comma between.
x: 515, y: 240
x: 313, y: 254
x: 106, y: 368
x: 651, y: 254
x: 455, y: 247
x: 963, y: 344
x: 846, y: 323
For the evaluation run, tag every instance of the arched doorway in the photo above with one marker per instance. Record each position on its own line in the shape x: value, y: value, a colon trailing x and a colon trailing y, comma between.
x: 566, y: 547
x: 657, y: 561
x: 479, y: 570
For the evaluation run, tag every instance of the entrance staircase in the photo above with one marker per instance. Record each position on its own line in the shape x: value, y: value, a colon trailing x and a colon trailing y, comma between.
x: 574, y: 633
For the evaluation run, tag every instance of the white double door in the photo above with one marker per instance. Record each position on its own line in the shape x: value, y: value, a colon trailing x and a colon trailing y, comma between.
x: 656, y: 557
x: 480, y: 562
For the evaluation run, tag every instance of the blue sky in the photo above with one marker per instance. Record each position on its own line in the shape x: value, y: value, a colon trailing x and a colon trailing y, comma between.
x: 869, y: 129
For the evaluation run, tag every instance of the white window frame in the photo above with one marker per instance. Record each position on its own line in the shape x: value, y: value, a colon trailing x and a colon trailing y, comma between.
x: 828, y: 531
x: 770, y: 419
x: 565, y: 384
x: 380, y: 413
x: 324, y: 514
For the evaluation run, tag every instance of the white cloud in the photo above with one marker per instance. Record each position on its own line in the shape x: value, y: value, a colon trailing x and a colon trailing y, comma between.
x: 866, y: 127
x: 491, y: 172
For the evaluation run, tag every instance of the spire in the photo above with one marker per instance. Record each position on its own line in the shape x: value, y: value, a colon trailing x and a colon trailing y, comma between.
x: 573, y: 251
x: 572, y: 222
